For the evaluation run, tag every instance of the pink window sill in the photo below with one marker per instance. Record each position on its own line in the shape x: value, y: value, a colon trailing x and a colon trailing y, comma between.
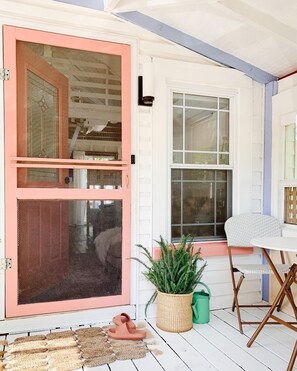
x: 211, y: 249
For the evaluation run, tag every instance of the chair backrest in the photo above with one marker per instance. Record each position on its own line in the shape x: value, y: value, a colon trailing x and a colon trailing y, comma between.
x: 240, y: 229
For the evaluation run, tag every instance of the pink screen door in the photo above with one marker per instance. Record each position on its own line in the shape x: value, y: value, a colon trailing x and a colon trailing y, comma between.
x: 67, y: 138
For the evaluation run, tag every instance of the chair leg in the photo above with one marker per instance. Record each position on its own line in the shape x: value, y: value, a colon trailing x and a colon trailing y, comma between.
x: 236, y: 303
x: 237, y: 290
x: 293, y: 358
x: 238, y: 315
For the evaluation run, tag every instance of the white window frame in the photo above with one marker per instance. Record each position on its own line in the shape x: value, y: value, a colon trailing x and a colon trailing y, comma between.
x: 286, y: 120
x: 232, y: 95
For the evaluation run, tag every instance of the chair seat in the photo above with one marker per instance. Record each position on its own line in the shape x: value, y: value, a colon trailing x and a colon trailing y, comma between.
x: 261, y: 268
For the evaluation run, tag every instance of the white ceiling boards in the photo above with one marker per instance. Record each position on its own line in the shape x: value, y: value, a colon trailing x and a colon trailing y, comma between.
x: 260, y: 33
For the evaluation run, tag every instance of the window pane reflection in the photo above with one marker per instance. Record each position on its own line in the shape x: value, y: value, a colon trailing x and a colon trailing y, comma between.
x: 201, y: 202
x: 201, y: 130
x: 92, y: 107
x: 290, y: 151
x: 177, y: 129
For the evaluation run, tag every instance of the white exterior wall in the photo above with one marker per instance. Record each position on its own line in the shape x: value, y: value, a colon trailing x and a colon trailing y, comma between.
x: 284, y: 111
x: 247, y: 144
x: 174, y: 66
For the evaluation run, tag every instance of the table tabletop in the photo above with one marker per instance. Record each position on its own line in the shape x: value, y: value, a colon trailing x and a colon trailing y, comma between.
x: 276, y: 243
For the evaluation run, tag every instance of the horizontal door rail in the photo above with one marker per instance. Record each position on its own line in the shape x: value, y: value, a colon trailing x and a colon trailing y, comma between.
x: 98, y: 167
x: 33, y: 162
x: 69, y: 194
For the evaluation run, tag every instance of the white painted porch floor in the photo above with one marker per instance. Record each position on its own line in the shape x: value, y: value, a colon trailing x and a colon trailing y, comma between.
x: 217, y: 345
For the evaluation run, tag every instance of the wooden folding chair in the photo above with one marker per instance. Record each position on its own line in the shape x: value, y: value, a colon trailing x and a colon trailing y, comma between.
x: 240, y: 229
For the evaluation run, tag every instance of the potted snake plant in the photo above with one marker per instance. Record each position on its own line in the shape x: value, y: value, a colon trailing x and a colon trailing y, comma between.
x: 175, y: 276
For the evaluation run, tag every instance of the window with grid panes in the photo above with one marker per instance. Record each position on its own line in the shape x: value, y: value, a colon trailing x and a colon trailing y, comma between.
x: 290, y: 174
x: 201, y: 175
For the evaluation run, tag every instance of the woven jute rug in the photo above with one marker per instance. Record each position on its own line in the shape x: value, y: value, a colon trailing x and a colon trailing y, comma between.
x: 69, y: 350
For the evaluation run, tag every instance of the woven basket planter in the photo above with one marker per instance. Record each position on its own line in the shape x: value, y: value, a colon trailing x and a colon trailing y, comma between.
x: 174, y: 312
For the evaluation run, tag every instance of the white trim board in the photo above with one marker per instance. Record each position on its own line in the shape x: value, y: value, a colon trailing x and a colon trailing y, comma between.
x: 62, y: 320
x: 2, y: 194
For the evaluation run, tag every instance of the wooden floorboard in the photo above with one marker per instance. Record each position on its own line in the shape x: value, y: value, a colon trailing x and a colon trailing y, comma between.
x: 183, y: 349
x: 227, y: 324
x: 259, y: 313
x: 149, y: 363
x: 217, y: 345
x: 215, y: 356
x: 269, y: 337
x: 231, y: 349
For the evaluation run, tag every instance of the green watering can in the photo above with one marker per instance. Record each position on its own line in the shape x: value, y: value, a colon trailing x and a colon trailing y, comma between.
x: 200, y: 305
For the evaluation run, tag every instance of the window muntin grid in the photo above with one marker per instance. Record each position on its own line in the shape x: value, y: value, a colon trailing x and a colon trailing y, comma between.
x: 201, y: 196
x: 200, y: 129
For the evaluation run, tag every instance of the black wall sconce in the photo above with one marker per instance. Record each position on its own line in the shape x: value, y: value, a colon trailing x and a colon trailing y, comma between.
x: 146, y: 100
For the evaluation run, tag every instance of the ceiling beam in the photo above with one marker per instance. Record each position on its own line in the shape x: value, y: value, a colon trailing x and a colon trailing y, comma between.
x: 261, y: 19
x: 111, y: 4
x: 146, y: 5
x: 92, y: 4
x: 196, y: 45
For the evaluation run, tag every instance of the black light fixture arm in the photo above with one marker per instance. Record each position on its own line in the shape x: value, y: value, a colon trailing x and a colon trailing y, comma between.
x: 143, y: 100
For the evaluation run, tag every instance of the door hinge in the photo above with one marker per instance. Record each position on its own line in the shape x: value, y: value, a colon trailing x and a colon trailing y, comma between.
x: 5, y: 263
x: 133, y: 159
x: 4, y: 74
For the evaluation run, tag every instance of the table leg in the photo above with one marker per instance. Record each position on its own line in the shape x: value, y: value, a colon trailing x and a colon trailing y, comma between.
x: 283, y: 261
x: 293, y: 358
x: 287, y: 289
x: 288, y: 281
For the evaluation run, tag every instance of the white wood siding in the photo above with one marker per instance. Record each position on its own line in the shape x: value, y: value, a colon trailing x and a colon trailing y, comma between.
x: 174, y: 66
x: 247, y: 133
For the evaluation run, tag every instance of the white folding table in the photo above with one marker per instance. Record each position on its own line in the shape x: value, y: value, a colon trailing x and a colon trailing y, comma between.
x: 285, y: 244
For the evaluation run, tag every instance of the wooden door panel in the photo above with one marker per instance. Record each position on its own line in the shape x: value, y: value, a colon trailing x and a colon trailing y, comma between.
x: 30, y: 64
x: 43, y: 246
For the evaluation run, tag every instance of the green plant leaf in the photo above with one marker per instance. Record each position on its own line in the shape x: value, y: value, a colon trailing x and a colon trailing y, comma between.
x: 177, y: 271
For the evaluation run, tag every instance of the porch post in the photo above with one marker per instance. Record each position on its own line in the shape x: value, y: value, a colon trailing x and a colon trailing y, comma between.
x: 270, y: 91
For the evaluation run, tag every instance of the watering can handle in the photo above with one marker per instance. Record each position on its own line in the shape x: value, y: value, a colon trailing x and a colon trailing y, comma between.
x: 195, y: 311
x: 207, y: 288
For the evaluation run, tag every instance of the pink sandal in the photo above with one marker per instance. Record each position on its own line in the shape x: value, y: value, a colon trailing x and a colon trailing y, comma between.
x: 125, y: 329
x: 123, y: 318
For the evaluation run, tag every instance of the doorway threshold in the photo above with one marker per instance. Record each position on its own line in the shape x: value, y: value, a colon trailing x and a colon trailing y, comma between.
x: 77, y: 318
